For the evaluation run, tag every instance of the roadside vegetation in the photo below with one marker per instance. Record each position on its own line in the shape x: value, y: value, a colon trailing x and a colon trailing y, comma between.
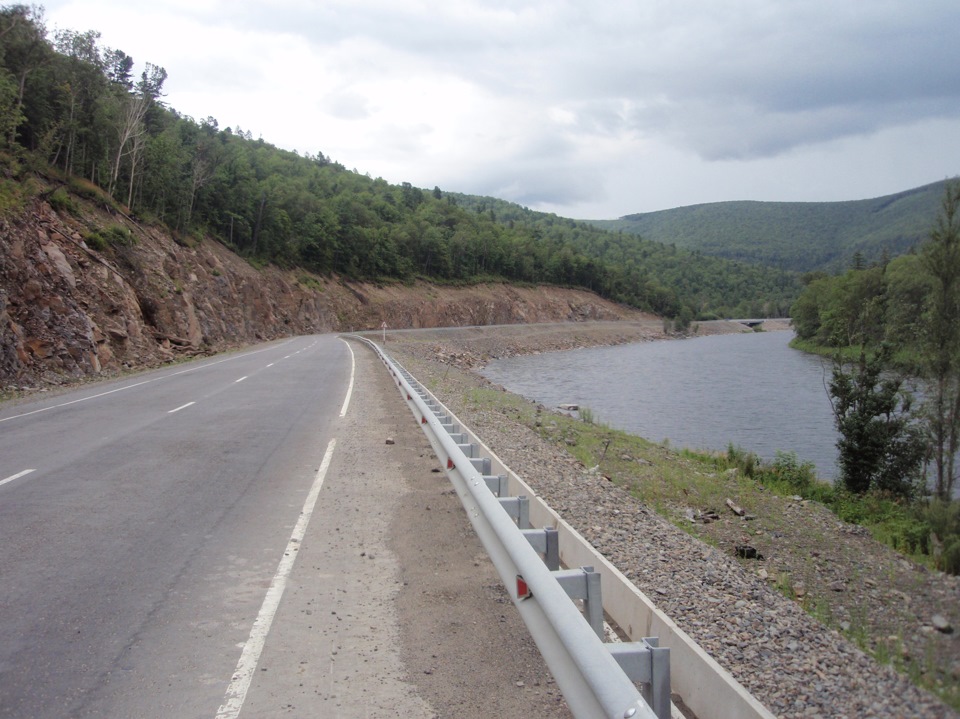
x: 886, y: 327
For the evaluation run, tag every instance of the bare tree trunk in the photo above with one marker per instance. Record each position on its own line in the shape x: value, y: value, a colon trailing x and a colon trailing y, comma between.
x: 130, y: 127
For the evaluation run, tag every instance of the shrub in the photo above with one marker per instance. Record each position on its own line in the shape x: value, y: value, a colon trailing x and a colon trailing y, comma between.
x: 746, y: 462
x: 942, y: 520
x: 788, y: 469
x: 96, y: 241
x: 61, y: 201
x: 114, y: 236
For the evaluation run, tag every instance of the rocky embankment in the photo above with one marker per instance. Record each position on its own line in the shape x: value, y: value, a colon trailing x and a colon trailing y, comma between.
x: 794, y: 664
x: 72, y: 308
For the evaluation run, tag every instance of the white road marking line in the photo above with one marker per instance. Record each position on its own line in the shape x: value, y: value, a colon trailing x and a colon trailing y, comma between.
x: 353, y: 366
x: 183, y: 406
x: 271, y: 364
x: 18, y: 475
x: 250, y: 656
x: 241, y: 379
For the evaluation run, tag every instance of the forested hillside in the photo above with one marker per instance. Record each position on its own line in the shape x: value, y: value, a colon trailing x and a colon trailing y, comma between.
x: 706, y: 283
x: 74, y: 113
x: 800, y: 236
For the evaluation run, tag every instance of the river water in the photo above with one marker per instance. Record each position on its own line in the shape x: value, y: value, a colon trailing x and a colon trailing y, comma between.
x: 751, y: 390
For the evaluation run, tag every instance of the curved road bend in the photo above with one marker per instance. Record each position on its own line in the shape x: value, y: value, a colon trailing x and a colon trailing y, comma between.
x: 144, y: 524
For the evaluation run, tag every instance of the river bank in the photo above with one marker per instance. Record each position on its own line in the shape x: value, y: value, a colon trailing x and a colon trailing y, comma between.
x: 473, y: 347
x: 748, y: 614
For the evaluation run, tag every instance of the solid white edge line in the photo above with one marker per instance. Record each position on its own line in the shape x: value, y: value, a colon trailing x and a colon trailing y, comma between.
x: 250, y: 656
x: 183, y: 406
x: 353, y: 367
x: 18, y: 475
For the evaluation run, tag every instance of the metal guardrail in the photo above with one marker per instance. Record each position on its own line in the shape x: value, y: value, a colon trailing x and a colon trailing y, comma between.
x: 597, y: 679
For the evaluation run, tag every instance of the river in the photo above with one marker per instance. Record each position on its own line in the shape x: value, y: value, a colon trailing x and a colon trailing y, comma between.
x: 751, y: 390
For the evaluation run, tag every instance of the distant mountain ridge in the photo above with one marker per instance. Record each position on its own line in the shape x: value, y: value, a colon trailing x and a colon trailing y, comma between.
x: 800, y: 236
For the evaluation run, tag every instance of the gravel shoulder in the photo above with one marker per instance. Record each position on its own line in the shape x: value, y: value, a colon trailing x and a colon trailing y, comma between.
x: 393, y: 609
x: 796, y: 664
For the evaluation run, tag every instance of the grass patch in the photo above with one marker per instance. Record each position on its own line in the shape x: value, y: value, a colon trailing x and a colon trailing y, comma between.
x: 113, y: 236
x: 89, y: 191
x: 673, y: 480
x: 311, y: 283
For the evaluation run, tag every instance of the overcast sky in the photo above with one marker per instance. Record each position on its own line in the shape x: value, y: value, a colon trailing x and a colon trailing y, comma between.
x: 588, y: 109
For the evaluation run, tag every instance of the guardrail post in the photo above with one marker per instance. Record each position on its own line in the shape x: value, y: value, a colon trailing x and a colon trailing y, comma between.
x: 497, y: 483
x: 649, y: 665
x: 584, y: 584
x: 482, y: 464
x: 518, y: 508
x: 547, y: 542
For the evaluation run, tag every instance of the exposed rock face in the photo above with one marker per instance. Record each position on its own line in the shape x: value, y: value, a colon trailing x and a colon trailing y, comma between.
x: 68, y: 311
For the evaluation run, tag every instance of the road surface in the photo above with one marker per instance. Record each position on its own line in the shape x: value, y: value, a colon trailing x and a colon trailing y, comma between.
x: 233, y: 538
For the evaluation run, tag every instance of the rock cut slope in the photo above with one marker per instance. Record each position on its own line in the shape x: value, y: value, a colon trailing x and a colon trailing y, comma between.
x: 73, y: 308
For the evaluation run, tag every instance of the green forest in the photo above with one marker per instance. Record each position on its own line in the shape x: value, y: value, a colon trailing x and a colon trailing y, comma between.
x: 800, y: 236
x: 74, y: 113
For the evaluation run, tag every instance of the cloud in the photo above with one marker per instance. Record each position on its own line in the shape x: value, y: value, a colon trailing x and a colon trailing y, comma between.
x: 553, y: 101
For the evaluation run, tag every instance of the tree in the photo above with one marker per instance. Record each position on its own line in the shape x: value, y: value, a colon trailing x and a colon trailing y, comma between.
x: 880, y: 447
x: 24, y: 49
x: 940, y: 345
x: 82, y: 79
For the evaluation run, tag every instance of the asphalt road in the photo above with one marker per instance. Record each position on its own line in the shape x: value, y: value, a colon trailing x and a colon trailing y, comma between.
x: 143, y: 521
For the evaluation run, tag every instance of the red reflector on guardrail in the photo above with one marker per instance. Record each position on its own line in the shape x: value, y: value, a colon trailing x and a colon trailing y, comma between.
x: 423, y: 420
x: 523, y: 591
x: 450, y: 464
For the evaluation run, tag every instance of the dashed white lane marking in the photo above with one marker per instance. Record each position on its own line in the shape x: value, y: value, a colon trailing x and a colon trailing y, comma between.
x: 137, y: 384
x: 271, y: 364
x: 183, y: 406
x: 241, y: 379
x: 18, y: 475
x: 353, y: 367
x: 237, y: 691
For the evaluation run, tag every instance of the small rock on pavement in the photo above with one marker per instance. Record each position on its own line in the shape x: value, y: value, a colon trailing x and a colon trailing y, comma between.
x: 941, y: 624
x: 389, y: 441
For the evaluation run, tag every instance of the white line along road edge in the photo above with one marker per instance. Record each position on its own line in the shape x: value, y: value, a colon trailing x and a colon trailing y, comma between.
x: 237, y: 691
x: 353, y: 367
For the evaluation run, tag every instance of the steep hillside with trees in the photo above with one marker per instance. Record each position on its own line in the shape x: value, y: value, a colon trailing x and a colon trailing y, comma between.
x: 800, y: 236
x: 75, y: 114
